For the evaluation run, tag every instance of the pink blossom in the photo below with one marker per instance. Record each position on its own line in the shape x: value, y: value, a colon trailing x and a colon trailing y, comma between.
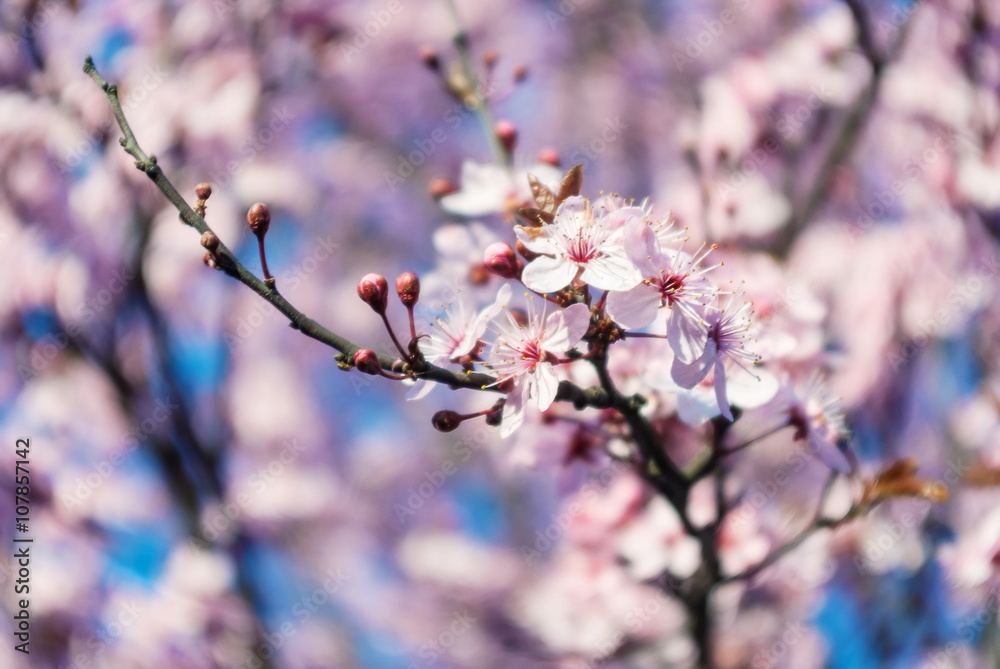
x: 495, y: 189
x: 527, y: 355
x: 671, y: 279
x: 579, y: 244
x: 819, y: 420
x: 727, y: 334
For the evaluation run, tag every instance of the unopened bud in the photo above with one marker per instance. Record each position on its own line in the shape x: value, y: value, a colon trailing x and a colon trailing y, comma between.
x: 501, y: 260
x: 430, y: 58
x: 366, y: 360
x: 209, y: 260
x: 507, y: 134
x: 490, y: 58
x: 203, y: 191
x: 446, y: 421
x: 441, y: 186
x: 210, y: 241
x: 373, y: 289
x: 259, y: 218
x: 520, y: 73
x: 408, y: 288
x: 549, y: 156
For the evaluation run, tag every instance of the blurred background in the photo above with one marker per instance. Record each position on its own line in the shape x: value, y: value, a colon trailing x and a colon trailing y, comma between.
x: 209, y: 490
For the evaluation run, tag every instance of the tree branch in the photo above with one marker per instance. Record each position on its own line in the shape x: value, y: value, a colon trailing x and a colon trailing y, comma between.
x: 568, y: 392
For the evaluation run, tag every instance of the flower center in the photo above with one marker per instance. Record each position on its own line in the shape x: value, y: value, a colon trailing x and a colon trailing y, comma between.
x: 670, y: 287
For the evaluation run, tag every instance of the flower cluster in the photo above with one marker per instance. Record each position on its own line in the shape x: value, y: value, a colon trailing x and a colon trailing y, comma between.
x: 594, y: 273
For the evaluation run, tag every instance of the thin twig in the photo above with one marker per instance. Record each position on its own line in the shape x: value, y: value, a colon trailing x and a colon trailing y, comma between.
x: 568, y: 392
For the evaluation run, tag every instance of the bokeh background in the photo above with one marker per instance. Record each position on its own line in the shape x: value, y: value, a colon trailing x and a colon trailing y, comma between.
x: 209, y: 490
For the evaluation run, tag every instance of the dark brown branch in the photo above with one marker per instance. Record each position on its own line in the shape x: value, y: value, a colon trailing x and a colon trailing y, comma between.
x: 568, y: 392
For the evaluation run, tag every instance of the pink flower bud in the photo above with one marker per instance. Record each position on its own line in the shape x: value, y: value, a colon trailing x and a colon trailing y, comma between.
x: 203, y: 191
x: 210, y: 241
x: 520, y: 73
x: 408, y: 288
x: 259, y: 218
x: 501, y: 260
x: 507, y: 134
x: 373, y: 289
x: 430, y: 58
x: 366, y: 360
x: 446, y: 421
x: 440, y: 186
x: 549, y: 156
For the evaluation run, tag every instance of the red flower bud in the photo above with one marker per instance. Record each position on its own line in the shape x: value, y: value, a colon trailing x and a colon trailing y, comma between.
x: 366, y: 360
x: 549, y: 156
x: 446, y: 421
x: 440, y: 186
x: 210, y: 241
x: 259, y: 218
x: 520, y: 73
x: 430, y: 58
x: 500, y: 259
x: 507, y: 134
x: 373, y: 289
x: 203, y: 191
x: 408, y: 288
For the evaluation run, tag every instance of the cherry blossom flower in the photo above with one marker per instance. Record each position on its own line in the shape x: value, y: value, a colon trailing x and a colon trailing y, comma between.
x: 727, y: 334
x: 657, y: 542
x: 672, y: 279
x: 579, y: 244
x: 819, y: 420
x: 495, y: 189
x: 459, y: 331
x: 455, y: 335
x: 527, y: 354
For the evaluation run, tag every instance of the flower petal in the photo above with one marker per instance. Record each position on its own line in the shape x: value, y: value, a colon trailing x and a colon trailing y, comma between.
x: 546, y: 385
x: 547, y: 275
x: 635, y: 308
x: 687, y: 335
x: 565, y: 328
x: 513, y: 410
x: 611, y: 272
x: 688, y: 375
x: 719, y: 379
